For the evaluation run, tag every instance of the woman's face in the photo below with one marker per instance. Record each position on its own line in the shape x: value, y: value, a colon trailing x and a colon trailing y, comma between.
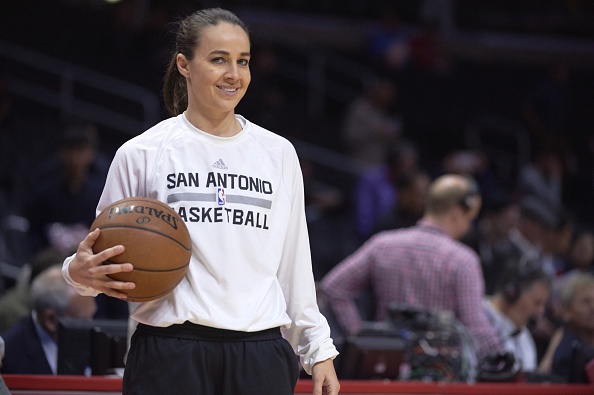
x: 530, y: 304
x: 219, y: 74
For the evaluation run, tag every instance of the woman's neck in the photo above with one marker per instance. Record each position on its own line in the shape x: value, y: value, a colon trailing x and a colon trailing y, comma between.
x: 224, y: 126
x: 499, y: 303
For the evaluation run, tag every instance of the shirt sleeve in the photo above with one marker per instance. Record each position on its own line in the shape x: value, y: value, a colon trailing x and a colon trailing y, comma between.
x: 126, y: 177
x: 309, y: 333
x: 345, y: 282
x: 470, y: 304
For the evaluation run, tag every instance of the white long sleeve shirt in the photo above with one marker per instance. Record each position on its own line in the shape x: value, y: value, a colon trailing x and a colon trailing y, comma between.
x: 242, y: 200
x: 516, y: 340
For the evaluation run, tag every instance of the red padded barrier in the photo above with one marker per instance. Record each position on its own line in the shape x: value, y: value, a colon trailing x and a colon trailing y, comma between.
x: 70, y: 385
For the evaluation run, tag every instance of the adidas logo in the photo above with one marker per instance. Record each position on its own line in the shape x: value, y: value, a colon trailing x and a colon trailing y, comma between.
x: 220, y: 164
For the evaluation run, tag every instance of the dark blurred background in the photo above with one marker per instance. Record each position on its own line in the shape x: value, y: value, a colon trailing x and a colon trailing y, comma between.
x: 501, y: 77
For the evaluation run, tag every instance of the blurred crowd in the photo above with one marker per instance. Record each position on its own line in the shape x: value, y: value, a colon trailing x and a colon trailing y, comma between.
x: 530, y: 236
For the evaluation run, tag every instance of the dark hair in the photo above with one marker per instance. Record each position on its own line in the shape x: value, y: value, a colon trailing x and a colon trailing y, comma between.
x: 187, y: 38
x: 519, y: 275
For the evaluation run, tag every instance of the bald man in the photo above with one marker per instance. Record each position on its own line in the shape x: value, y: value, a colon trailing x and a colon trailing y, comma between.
x: 425, y: 266
x: 31, y: 344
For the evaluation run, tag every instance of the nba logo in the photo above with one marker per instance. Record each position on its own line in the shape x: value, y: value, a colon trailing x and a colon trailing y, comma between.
x: 221, y: 196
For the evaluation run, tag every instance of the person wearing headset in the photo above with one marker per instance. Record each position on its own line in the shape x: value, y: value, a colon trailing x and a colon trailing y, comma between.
x: 520, y: 296
x: 424, y: 266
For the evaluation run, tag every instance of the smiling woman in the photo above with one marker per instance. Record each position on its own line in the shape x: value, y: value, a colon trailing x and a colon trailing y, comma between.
x: 209, y: 71
x: 246, y: 307
x: 217, y: 76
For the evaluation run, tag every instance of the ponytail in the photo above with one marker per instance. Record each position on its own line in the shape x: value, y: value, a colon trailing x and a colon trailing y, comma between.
x: 175, y: 92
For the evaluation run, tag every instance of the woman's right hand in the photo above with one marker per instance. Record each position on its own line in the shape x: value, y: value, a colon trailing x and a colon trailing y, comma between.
x: 89, y: 269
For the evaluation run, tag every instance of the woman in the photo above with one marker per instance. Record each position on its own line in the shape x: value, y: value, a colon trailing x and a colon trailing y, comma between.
x: 239, y: 189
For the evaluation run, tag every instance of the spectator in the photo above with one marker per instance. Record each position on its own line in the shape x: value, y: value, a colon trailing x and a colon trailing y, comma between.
x: 31, y: 343
x: 576, y: 348
x: 524, y: 241
x: 331, y: 235
x: 424, y: 267
x: 580, y: 260
x: 370, y: 128
x: 500, y: 214
x: 555, y: 245
x: 17, y: 153
x: 543, y: 177
x: 321, y: 198
x: 412, y: 190
x: 388, y: 40
x: 520, y: 297
x: 63, y: 199
x: 474, y: 163
x: 557, y: 241
x: 375, y: 192
x: 581, y: 256
x: 16, y: 302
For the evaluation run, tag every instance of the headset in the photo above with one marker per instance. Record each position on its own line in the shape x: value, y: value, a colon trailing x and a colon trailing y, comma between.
x: 517, y: 278
x: 471, y: 194
x: 512, y: 292
x: 499, y: 367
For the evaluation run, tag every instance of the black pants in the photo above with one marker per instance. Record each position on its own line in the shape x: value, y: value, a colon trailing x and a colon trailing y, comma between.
x: 197, y: 360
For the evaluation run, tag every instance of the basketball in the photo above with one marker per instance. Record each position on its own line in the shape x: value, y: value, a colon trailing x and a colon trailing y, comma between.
x: 156, y: 240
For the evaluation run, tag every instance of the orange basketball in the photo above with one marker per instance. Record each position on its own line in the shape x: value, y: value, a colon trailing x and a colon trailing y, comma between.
x: 156, y: 241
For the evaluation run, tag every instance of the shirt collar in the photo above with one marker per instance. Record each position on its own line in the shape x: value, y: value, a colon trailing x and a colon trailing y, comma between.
x: 504, y: 326
x: 49, y: 345
x: 430, y: 226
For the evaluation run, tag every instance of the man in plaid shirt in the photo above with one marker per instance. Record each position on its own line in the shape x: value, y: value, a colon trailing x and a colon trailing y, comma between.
x: 424, y: 266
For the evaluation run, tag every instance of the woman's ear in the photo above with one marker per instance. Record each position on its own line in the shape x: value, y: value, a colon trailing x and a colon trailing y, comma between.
x: 183, y: 65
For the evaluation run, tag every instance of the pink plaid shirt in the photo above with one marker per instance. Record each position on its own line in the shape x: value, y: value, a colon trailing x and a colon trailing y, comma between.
x: 419, y: 266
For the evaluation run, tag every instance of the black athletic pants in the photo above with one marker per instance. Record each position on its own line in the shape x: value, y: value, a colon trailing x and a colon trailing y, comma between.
x: 198, y: 360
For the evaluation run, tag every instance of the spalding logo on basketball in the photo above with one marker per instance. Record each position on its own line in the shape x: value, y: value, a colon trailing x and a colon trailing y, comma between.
x: 156, y: 241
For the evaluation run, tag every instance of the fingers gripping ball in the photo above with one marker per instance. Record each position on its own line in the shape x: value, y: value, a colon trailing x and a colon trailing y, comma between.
x: 156, y: 240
